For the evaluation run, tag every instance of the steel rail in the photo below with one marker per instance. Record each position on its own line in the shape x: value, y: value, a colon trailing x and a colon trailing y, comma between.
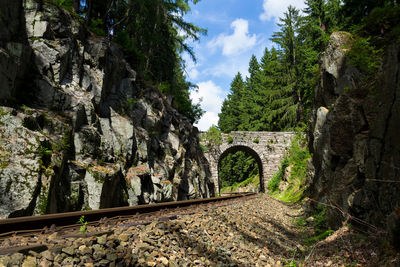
x: 69, y: 218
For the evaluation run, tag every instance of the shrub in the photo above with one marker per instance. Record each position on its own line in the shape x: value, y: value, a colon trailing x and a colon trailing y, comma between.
x: 213, y: 136
x: 320, y: 226
x: 297, y: 159
x: 273, y: 184
x: 256, y: 141
x: 364, y: 56
x: 95, y: 27
x: 230, y: 140
x: 66, y: 4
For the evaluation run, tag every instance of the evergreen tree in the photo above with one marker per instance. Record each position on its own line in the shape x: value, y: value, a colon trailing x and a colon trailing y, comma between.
x: 286, y: 38
x: 355, y: 10
x: 278, y: 93
x: 272, y: 71
x: 149, y: 31
x: 249, y: 111
x: 286, y: 102
x: 229, y: 118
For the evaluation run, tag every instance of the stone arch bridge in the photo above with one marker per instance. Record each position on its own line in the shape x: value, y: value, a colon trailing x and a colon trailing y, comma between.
x: 268, y: 149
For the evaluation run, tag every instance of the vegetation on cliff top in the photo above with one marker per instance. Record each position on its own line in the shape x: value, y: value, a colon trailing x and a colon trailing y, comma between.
x: 153, y: 35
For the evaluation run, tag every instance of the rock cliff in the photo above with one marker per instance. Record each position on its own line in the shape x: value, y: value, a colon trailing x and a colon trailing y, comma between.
x: 355, y: 138
x: 77, y: 130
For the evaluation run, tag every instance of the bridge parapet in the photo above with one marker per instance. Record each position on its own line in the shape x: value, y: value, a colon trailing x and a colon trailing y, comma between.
x: 268, y: 148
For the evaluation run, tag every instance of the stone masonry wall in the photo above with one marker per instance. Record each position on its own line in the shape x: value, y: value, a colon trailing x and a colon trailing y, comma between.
x: 270, y: 147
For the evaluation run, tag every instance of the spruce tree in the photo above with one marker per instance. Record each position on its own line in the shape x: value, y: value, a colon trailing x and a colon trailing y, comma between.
x: 248, y: 107
x: 229, y: 118
x: 286, y: 102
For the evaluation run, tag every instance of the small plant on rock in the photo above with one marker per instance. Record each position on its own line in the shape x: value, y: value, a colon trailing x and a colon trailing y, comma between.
x: 83, y: 229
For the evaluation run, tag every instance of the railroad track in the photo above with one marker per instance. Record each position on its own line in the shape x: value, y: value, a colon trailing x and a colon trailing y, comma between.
x: 31, y: 224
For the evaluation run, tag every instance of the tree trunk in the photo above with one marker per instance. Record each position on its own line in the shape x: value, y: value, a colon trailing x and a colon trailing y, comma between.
x: 77, y: 6
x: 89, y: 12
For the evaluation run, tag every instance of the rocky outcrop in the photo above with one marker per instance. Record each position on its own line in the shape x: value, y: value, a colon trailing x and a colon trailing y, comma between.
x: 77, y: 131
x: 354, y: 137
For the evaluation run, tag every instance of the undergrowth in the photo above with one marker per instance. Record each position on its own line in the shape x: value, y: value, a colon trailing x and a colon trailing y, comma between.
x: 319, y: 224
x: 66, y: 4
x: 296, y: 161
x: 254, y: 180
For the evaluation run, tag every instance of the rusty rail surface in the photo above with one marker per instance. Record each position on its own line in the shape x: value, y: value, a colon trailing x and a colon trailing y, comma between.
x: 68, y: 218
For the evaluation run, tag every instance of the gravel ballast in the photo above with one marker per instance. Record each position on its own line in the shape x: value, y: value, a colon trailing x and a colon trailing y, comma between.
x: 260, y: 231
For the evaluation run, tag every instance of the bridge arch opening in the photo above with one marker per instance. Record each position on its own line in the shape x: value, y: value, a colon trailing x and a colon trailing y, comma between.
x: 249, y: 151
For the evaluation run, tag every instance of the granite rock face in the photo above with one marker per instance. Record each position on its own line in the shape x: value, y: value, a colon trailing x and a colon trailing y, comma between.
x: 77, y: 130
x: 355, y: 137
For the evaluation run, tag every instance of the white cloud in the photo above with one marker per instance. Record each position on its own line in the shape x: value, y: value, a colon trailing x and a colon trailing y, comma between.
x: 276, y: 8
x: 208, y: 119
x: 212, y: 96
x: 191, y: 68
x: 193, y: 73
x: 230, y: 67
x: 239, y: 41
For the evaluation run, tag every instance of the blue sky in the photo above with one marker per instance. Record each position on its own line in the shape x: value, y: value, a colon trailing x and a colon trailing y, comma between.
x: 236, y: 30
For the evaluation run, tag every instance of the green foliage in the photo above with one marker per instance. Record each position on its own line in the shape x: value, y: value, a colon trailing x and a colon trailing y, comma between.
x: 154, y: 35
x: 236, y: 168
x: 297, y: 160
x: 273, y: 184
x: 229, y: 118
x: 83, y: 228
x: 355, y: 11
x: 60, y: 2
x: 95, y: 26
x: 27, y: 110
x: 289, y: 263
x: 320, y: 219
x: 213, y: 137
x: 255, y: 181
x: 42, y: 203
x: 320, y: 226
x: 278, y: 94
x: 256, y: 140
x: 301, y: 221
x: 130, y: 102
x: 44, y: 152
x: 65, y: 144
x: 204, y: 148
x: 317, y: 238
x: 4, y: 164
x: 66, y: 4
x: 382, y: 21
x: 364, y: 56
x: 3, y: 113
x: 230, y: 139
